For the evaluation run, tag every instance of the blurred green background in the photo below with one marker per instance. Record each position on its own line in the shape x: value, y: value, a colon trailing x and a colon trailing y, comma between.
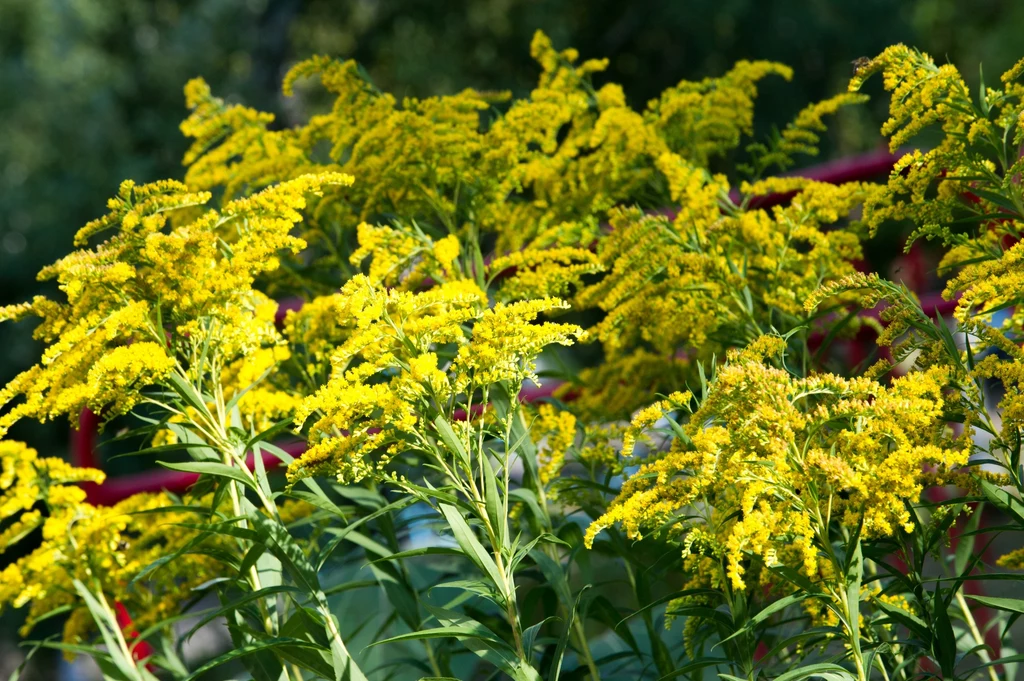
x: 90, y: 90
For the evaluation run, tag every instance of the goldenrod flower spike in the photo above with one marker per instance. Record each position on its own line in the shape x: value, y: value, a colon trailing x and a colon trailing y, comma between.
x: 770, y: 460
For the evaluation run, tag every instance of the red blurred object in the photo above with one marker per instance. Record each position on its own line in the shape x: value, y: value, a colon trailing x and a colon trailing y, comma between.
x: 140, y: 649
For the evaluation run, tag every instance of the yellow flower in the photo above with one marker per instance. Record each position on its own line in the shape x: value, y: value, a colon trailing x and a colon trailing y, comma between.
x: 505, y: 342
x: 775, y: 458
x: 556, y: 431
x: 145, y: 297
x: 446, y: 251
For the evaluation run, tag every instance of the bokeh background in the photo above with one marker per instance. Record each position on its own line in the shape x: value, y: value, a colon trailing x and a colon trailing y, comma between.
x: 91, y: 90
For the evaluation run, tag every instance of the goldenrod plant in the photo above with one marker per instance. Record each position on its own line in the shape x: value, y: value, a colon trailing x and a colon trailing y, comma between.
x: 709, y: 491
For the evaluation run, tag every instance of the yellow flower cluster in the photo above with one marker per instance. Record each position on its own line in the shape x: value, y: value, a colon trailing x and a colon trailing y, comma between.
x: 770, y: 460
x: 971, y: 158
x: 543, y: 272
x: 145, y: 297
x: 709, y: 280
x: 405, y: 324
x: 388, y: 371
x: 437, y: 179
x: 702, y: 119
x: 555, y: 431
x: 108, y: 546
x: 800, y: 136
x: 405, y: 256
x: 564, y: 155
x: 972, y: 175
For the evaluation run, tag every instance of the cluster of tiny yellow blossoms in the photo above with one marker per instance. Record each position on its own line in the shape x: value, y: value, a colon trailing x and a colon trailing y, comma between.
x: 708, y: 280
x: 555, y: 432
x: 362, y: 420
x: 144, y: 298
x: 931, y: 188
x: 702, y: 119
x: 108, y: 546
x: 543, y: 272
x: 801, y: 136
x: 436, y: 176
x: 778, y: 458
x: 404, y: 256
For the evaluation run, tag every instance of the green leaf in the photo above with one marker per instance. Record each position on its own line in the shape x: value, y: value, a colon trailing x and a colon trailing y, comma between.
x: 305, y: 625
x: 765, y: 613
x: 982, y: 96
x: 602, y: 609
x: 188, y: 393
x: 944, y: 643
x: 484, y: 643
x: 452, y: 441
x: 917, y: 626
x: 794, y: 577
x: 16, y: 674
x: 297, y: 565
x: 422, y: 551
x: 321, y: 501
x: 854, y: 575
x: 211, y: 468
x: 472, y: 548
x: 238, y: 603
x: 665, y: 599
x: 556, y: 662
x: 997, y: 199
x: 480, y: 587
x: 399, y: 592
x: 506, y: 405
x: 268, y: 644
x: 530, y: 634
x: 260, y: 474
x: 696, y: 665
x: 351, y: 527
x: 821, y: 669
x: 492, y: 501
x: 528, y: 497
x: 455, y: 631
x: 555, y: 575
x: 270, y: 433
x: 110, y: 631
x: 1007, y: 604
x: 1003, y: 500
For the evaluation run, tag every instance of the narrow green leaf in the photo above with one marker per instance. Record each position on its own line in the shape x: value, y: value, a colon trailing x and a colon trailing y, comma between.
x: 106, y: 622
x: 556, y: 663
x: 555, y: 575
x: 297, y: 565
x: 473, y: 549
x: 697, y: 665
x: 211, y: 468
x: 452, y: 441
x: 264, y: 645
x: 188, y: 393
x: 238, y: 603
x: 765, y: 613
x: 944, y: 643
x: 819, y: 669
x: 1007, y: 604
x: 437, y: 632
x: 492, y: 501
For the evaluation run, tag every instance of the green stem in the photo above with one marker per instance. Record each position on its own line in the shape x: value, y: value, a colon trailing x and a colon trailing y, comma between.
x: 979, y: 640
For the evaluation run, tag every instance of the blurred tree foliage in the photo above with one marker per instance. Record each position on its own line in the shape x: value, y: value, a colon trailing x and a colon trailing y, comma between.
x: 91, y: 89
